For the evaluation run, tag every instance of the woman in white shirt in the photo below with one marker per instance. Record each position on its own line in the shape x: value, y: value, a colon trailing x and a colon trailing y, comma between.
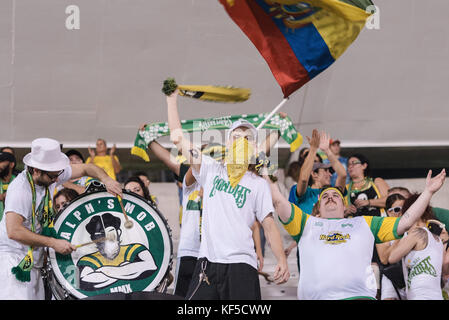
x: 422, y: 254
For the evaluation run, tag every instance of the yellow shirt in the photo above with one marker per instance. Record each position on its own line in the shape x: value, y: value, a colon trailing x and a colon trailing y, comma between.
x: 104, y: 162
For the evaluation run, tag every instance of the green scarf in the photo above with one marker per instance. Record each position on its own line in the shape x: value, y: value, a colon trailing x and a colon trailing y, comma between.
x: 23, y: 270
x: 156, y: 130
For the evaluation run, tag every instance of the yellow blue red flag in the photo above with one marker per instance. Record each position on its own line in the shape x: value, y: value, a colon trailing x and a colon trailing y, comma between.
x: 299, y: 39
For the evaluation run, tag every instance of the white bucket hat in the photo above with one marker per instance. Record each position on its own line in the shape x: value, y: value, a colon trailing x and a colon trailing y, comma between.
x: 46, y: 155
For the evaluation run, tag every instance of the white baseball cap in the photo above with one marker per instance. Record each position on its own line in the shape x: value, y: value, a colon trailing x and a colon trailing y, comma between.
x: 243, y: 123
x: 46, y: 155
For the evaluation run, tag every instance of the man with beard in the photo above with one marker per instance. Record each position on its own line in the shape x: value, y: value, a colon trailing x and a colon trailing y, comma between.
x: 7, y: 163
x: 234, y: 197
x: 112, y: 262
x: 27, y: 225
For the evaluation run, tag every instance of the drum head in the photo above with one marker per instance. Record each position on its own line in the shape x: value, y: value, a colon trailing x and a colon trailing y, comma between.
x: 122, y: 260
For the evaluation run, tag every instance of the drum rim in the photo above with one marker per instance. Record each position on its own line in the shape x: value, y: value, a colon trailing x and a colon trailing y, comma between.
x: 52, y: 256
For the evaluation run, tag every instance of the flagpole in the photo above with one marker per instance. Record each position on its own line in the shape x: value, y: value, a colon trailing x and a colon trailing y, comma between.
x: 272, y: 113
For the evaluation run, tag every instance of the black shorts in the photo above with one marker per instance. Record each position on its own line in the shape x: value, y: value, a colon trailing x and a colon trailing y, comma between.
x: 232, y: 281
x: 184, y: 275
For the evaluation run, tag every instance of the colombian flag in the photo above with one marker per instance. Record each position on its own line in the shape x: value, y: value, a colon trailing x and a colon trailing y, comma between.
x: 299, y: 39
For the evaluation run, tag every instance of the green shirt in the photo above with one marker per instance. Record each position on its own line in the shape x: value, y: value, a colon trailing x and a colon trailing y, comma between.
x: 442, y: 215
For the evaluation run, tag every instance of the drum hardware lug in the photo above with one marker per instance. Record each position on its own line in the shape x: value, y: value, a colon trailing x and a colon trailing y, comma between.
x: 95, y: 186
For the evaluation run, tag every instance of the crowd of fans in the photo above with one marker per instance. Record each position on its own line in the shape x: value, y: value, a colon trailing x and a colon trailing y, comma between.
x: 414, y: 267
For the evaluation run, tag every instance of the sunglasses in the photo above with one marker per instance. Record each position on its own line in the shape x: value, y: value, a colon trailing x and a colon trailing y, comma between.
x: 395, y: 209
x: 350, y: 164
x: 53, y: 176
x: 435, y: 227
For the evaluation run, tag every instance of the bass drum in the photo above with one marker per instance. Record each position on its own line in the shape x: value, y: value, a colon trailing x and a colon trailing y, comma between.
x: 110, y: 258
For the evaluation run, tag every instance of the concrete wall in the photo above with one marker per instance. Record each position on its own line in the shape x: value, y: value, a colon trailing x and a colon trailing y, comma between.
x: 104, y: 79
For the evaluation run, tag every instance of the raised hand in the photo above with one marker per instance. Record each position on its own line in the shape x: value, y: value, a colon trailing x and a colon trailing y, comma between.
x: 91, y: 153
x: 315, y: 140
x: 324, y: 141
x: 113, y: 149
x: 434, y: 184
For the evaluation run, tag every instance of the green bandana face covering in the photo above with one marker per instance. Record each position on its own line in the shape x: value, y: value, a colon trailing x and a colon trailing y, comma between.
x: 23, y: 270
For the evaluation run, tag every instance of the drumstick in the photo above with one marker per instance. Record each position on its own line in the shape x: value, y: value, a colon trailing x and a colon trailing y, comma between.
x: 266, y: 276
x: 109, y: 237
x: 128, y: 223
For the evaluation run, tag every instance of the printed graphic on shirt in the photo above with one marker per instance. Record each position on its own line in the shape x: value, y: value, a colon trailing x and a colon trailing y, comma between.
x: 194, y: 201
x: 335, y: 238
x: 239, y: 192
x: 419, y: 267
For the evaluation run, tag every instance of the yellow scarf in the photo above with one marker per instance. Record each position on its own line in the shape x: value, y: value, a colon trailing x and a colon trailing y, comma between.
x: 237, y: 160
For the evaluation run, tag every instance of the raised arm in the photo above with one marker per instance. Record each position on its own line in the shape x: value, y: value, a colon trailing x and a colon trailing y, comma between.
x: 188, y: 150
x: 281, y: 205
x: 114, y: 159
x: 307, y: 166
x: 165, y: 156
x: 268, y: 143
x: 335, y: 163
x: 418, y: 207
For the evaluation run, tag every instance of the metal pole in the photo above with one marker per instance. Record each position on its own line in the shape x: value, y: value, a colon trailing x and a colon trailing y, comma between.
x: 272, y: 113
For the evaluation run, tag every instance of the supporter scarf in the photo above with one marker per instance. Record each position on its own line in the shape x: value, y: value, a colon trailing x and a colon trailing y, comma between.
x: 237, y: 160
x: 23, y: 270
x: 156, y: 130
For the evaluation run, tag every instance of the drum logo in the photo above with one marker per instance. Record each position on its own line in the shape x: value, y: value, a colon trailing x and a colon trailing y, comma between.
x: 109, y: 257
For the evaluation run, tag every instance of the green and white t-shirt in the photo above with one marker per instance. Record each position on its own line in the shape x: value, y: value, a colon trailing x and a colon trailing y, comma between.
x: 229, y: 213
x: 336, y: 254
x: 189, y: 239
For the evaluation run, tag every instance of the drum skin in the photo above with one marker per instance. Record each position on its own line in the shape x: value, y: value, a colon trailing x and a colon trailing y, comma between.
x: 122, y: 260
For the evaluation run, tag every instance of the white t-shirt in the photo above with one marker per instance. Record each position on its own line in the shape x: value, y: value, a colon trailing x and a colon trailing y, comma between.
x: 229, y: 213
x: 189, y: 240
x: 19, y: 200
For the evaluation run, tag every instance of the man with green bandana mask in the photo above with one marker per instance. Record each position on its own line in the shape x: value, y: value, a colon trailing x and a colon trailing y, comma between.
x: 233, y: 198
x: 27, y: 225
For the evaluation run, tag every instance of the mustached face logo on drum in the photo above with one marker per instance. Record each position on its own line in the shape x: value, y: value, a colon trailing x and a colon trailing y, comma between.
x: 111, y: 258
x: 112, y: 261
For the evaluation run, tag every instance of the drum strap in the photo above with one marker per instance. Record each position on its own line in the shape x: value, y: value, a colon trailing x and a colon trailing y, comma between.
x: 23, y: 270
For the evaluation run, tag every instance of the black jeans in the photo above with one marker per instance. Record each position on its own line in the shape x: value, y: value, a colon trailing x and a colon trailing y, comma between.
x: 232, y: 281
x: 184, y: 277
